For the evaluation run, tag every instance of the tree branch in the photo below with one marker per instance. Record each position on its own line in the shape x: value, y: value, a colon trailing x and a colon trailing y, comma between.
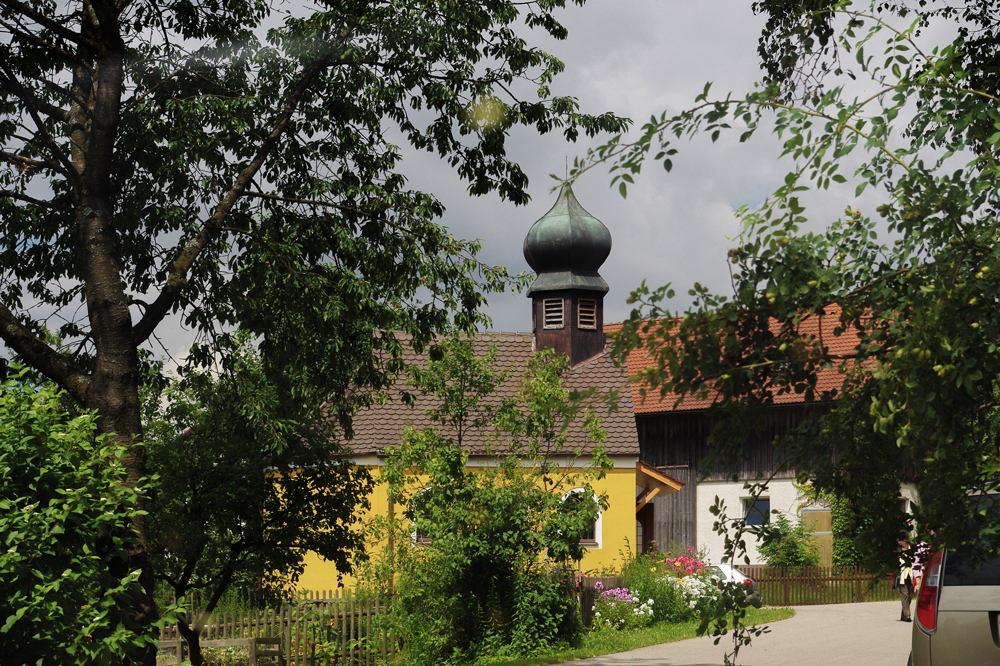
x: 19, y: 8
x: 47, y: 360
x: 25, y: 163
x: 307, y: 202
x: 212, y: 228
x: 26, y: 96
x: 33, y: 201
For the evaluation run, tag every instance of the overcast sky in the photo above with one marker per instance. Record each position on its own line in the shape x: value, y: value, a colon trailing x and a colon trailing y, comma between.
x: 635, y: 58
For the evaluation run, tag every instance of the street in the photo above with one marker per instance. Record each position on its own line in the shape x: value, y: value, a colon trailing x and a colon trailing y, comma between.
x: 868, y: 634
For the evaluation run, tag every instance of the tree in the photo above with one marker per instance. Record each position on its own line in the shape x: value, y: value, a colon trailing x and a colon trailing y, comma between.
x: 491, y: 571
x: 918, y: 397
x: 245, y: 484
x: 917, y: 312
x: 61, y: 497
x: 227, y: 165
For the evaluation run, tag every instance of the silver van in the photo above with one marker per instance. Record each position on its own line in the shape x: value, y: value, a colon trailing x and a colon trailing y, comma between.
x: 958, y: 609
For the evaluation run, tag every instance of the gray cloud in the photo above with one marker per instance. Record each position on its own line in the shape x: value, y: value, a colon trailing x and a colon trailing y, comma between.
x: 635, y: 58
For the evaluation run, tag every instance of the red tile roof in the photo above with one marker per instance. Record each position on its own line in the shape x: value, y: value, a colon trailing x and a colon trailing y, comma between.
x: 813, y: 327
x: 381, y: 425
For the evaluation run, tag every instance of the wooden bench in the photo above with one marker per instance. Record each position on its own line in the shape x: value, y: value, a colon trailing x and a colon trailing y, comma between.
x: 254, y: 648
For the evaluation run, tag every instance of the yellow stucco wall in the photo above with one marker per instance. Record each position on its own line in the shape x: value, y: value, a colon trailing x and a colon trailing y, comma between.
x: 616, y: 536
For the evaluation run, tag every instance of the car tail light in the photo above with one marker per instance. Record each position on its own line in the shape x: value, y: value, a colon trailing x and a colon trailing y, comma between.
x: 927, y: 602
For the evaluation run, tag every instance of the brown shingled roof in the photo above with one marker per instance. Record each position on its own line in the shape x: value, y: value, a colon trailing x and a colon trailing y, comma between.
x: 811, y: 326
x: 381, y: 425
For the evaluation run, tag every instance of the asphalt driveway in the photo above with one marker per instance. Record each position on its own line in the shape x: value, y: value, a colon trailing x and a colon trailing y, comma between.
x: 836, y: 635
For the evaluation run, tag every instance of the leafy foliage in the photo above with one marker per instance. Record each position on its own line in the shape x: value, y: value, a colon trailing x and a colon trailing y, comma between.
x: 229, y: 165
x: 63, y: 558
x: 917, y: 314
x: 917, y: 397
x: 490, y: 573
x: 246, y: 484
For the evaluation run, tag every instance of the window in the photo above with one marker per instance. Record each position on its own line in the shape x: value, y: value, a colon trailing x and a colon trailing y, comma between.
x: 757, y: 512
x: 420, y: 512
x: 574, y: 501
x: 553, y: 312
x: 587, y: 314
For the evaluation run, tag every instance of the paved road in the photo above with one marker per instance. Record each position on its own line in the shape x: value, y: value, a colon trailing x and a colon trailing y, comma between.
x: 837, y: 635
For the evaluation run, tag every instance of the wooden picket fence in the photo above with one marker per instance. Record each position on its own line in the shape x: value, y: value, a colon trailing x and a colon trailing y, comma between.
x: 335, y: 626
x: 806, y: 586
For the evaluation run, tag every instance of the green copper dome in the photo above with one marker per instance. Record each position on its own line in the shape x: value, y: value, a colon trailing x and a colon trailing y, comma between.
x: 566, y: 247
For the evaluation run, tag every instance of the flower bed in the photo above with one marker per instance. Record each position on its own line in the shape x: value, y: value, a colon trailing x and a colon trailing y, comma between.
x: 618, y: 609
x: 679, y: 584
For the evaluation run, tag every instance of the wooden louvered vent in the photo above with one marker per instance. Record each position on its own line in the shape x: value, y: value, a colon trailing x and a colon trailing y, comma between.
x: 587, y: 314
x: 553, y: 309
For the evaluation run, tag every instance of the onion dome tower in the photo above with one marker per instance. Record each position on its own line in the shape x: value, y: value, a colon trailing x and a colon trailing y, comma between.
x: 566, y: 248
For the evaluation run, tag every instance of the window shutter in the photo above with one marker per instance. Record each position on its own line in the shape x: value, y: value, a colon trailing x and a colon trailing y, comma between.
x: 553, y: 312
x: 587, y: 314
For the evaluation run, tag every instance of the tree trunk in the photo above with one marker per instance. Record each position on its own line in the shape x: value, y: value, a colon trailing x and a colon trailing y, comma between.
x: 114, y: 387
x: 193, y: 638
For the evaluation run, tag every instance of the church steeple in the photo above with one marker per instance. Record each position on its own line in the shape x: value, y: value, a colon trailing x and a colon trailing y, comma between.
x: 566, y: 248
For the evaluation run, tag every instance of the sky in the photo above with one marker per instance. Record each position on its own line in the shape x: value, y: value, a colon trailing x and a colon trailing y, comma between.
x: 634, y: 58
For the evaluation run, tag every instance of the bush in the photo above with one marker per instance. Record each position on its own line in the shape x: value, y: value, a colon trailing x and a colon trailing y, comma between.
x: 619, y: 609
x: 785, y: 545
x: 65, y: 513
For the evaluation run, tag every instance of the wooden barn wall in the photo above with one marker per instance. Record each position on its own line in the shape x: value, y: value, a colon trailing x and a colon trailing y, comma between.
x: 678, y: 439
x: 674, y: 515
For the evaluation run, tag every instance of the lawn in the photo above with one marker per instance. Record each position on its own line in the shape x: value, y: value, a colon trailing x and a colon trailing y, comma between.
x: 608, y: 642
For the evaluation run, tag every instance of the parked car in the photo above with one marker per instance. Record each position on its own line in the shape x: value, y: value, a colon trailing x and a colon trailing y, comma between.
x: 958, y: 607
x: 727, y: 573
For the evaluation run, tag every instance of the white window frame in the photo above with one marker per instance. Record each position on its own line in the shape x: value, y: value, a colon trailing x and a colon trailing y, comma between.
x: 598, y: 524
x: 748, y: 503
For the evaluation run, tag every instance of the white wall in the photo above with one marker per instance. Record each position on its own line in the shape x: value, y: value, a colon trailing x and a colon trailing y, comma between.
x: 784, y: 497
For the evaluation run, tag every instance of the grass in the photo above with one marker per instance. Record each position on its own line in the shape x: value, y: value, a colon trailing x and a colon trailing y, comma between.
x: 598, y: 643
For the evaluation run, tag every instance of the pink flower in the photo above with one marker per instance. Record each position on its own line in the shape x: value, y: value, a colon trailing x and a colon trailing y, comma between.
x: 689, y: 569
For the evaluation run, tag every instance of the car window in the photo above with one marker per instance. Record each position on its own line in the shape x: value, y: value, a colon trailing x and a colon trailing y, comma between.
x: 960, y: 571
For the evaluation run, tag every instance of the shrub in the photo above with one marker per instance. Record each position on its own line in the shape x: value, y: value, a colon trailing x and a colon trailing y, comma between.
x: 65, y: 511
x: 787, y: 545
x: 619, y: 609
x: 481, y: 560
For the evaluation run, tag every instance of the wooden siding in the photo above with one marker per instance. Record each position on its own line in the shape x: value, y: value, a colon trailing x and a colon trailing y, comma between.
x: 674, y: 515
x: 680, y: 438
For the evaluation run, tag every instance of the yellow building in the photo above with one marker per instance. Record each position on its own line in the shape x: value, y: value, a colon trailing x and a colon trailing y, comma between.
x: 566, y: 248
